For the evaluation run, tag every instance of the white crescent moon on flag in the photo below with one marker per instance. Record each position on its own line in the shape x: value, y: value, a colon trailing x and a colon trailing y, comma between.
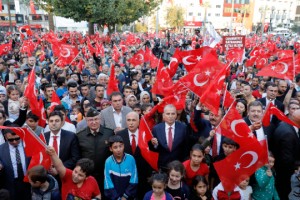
x: 66, y: 55
x: 201, y: 83
x: 41, y: 158
x: 184, y: 60
x: 264, y: 61
x: 221, y: 78
x: 177, y: 98
x: 254, y: 158
x: 233, y: 125
x: 286, y: 67
x: 172, y: 60
x: 141, y: 56
x: 254, y: 52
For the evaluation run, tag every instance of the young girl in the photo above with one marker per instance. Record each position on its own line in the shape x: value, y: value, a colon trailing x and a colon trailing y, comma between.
x: 195, y: 165
x: 177, y: 188
x: 200, y: 189
x: 12, y: 105
x: 246, y: 189
x: 158, y: 182
x: 265, y: 182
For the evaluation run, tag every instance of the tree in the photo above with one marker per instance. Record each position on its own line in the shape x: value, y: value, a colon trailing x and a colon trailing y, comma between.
x: 245, y: 9
x: 140, y: 27
x: 108, y: 12
x: 175, y: 17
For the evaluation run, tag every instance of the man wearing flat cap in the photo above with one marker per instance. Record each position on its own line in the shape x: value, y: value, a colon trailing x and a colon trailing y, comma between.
x: 93, y: 144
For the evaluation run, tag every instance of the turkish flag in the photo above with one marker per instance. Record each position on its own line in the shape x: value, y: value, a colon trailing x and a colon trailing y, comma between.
x: 174, y: 62
x: 131, y: 40
x: 5, y: 48
x: 199, y: 78
x: 270, y: 46
x: 91, y: 48
x: 250, y: 62
x: 150, y: 57
x: 81, y: 64
x: 112, y: 85
x: 284, y: 54
x: 235, y: 55
x: 256, y: 51
x: 178, y: 100
x: 234, y: 127
x: 262, y: 61
x: 240, y: 164
x: 66, y: 55
x: 283, y: 69
x: 116, y: 54
x: 32, y: 8
x: 25, y: 31
x: 227, y: 99
x: 145, y: 136
x: 272, y: 110
x: 163, y: 80
x: 0, y: 5
x: 137, y: 58
x: 54, y: 101
x: 191, y: 58
x: 211, y: 97
x: 42, y: 56
x: 42, y: 114
x: 30, y: 93
x: 28, y: 47
x: 99, y: 49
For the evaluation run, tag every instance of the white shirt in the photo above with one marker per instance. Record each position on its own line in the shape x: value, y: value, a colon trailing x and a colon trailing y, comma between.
x: 260, y: 134
x: 296, y: 129
x: 167, y: 131
x: 118, y: 118
x: 12, y: 152
x: 2, y: 140
x: 57, y: 139
x: 136, y: 133
x: 67, y: 127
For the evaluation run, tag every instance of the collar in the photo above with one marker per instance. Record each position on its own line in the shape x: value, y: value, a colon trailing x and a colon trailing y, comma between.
x: 135, y: 133
x: 95, y: 132
x: 58, y: 134
x: 116, y: 111
x: 173, y: 126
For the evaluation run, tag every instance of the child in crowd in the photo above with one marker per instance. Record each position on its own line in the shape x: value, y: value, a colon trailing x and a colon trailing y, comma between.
x: 159, y: 183
x: 120, y: 173
x: 264, y: 188
x: 200, y: 189
x: 177, y: 188
x: 76, y: 114
x: 246, y: 188
x: 12, y: 105
x: 220, y: 194
x: 195, y: 165
x: 295, y: 183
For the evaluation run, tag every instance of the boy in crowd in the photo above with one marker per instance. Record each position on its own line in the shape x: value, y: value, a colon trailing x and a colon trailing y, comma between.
x: 120, y: 173
x: 76, y: 184
x: 43, y: 186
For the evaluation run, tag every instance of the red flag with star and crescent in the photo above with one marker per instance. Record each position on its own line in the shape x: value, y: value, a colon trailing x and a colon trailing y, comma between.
x: 211, y: 97
x: 163, y: 80
x: 66, y: 55
x: 235, y: 55
x: 137, y: 58
x: 283, y: 69
x: 112, y: 85
x: 145, y: 136
x: 5, y: 48
x: 174, y: 62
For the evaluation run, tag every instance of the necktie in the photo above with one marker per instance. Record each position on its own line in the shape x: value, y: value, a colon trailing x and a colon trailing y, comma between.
x: 133, y: 143
x: 215, y: 147
x: 19, y: 164
x: 55, y: 146
x: 170, y: 139
x: 255, y: 134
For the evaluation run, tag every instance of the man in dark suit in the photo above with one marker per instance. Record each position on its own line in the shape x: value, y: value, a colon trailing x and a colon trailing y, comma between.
x: 13, y: 166
x: 131, y: 146
x: 272, y: 91
x: 64, y: 142
x: 253, y: 120
x: 169, y: 138
x: 287, y: 142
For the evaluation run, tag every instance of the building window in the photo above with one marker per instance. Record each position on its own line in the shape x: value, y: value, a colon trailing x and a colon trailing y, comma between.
x: 36, y: 17
x: 208, y: 14
x: 199, y: 14
x: 46, y: 17
x: 12, y: 7
x: 217, y: 14
x: 218, y: 6
x: 190, y: 13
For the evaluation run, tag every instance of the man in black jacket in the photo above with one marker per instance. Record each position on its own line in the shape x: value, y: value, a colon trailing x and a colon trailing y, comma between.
x: 93, y: 144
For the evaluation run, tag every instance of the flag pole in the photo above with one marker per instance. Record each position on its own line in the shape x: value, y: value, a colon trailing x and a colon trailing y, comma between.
x: 225, y: 115
x: 75, y: 58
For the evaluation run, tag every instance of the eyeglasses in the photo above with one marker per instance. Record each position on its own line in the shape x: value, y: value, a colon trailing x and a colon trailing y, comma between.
x: 13, y: 139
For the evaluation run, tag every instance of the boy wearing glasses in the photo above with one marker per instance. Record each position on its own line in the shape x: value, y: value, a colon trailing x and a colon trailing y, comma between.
x: 13, y: 165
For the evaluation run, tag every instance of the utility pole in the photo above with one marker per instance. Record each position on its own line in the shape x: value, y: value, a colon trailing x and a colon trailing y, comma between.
x: 231, y: 17
x: 9, y: 16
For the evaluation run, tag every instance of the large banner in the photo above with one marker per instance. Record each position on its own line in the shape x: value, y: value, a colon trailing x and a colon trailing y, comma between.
x: 237, y: 41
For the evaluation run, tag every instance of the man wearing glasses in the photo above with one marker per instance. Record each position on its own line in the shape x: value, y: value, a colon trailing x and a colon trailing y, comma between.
x: 13, y: 166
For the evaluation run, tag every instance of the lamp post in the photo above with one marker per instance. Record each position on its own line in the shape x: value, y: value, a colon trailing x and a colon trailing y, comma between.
x: 271, y: 18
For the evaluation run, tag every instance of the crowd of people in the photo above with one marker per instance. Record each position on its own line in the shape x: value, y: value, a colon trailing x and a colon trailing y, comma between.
x: 94, y: 141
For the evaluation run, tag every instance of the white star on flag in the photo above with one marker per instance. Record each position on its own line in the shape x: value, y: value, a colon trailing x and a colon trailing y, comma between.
x: 273, y: 67
x: 237, y: 166
x: 199, y: 58
x: 207, y: 73
x: 219, y: 92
